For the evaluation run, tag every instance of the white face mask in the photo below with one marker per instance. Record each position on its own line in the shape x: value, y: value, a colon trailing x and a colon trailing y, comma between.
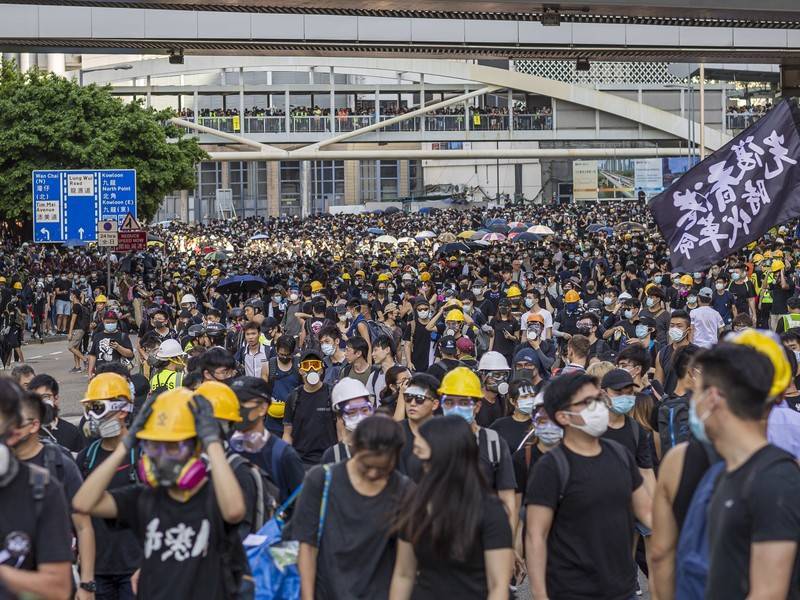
x: 312, y: 378
x: 595, y: 420
x: 477, y: 291
x: 293, y: 297
x: 676, y: 334
x: 327, y: 349
x: 532, y: 334
x: 351, y: 422
x: 422, y: 314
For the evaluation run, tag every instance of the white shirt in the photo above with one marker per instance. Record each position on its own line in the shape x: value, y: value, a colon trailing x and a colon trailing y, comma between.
x: 548, y: 321
x: 705, y: 323
x: 254, y: 361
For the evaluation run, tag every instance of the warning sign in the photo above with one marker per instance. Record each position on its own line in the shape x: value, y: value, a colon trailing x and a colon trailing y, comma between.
x: 130, y: 223
x: 131, y: 240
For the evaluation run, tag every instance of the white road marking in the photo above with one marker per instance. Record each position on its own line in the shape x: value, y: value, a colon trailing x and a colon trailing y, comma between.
x: 34, y: 357
x: 54, y: 353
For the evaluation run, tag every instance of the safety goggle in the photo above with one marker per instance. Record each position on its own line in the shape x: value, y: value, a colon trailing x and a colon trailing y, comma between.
x: 462, y: 401
x: 362, y: 408
x: 311, y: 365
x: 100, y: 408
x: 156, y: 449
x: 498, y: 375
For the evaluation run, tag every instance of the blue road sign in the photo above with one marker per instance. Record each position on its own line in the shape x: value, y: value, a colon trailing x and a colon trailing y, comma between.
x: 68, y: 204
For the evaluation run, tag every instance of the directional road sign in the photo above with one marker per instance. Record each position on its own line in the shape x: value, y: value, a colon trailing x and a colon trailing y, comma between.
x: 68, y: 204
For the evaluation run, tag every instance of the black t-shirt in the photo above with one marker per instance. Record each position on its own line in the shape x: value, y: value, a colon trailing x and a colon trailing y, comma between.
x: 489, y: 412
x: 63, y: 286
x: 61, y: 467
x: 439, y: 577
x: 182, y: 542
x: 769, y: 513
x: 49, y: 539
x: 420, y: 339
x: 67, y: 435
x: 501, y: 344
x: 82, y: 319
x: 356, y: 553
x: 120, y: 552
x: 742, y: 292
x: 779, y: 298
x: 512, y: 431
x: 313, y: 422
x: 102, y: 350
x: 589, y: 548
x: 499, y: 474
x: 625, y: 435
x: 409, y: 464
x: 523, y: 471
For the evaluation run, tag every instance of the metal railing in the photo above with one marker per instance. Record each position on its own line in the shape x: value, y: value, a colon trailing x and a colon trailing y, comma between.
x: 445, y: 123
x: 741, y: 120
x: 533, y: 122
x: 265, y: 124
x: 411, y: 124
x: 312, y: 124
x: 353, y: 122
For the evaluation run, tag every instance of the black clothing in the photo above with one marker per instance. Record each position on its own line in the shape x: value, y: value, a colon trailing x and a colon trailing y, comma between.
x: 626, y: 436
x: 697, y: 460
x: 313, y: 422
x: 512, y: 431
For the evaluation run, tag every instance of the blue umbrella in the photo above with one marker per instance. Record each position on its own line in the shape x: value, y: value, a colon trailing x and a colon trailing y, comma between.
x: 496, y: 221
x: 498, y: 228
x: 594, y: 227
x: 606, y: 230
x: 375, y: 231
x: 241, y: 283
x: 527, y: 237
x: 425, y: 210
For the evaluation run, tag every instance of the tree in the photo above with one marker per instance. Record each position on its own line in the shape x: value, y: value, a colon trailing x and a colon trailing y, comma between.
x: 49, y: 122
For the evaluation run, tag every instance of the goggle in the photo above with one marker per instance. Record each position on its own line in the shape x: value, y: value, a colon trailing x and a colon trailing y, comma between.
x: 363, y: 408
x: 498, y: 375
x: 462, y: 401
x: 100, y: 408
x: 311, y: 365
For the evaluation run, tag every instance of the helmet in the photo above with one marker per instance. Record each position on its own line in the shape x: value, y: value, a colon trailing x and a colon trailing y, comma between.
x: 360, y: 273
x: 347, y: 389
x: 493, y: 361
x: 777, y: 265
x: 686, y: 279
x: 255, y: 304
x: 222, y: 398
x: 767, y: 343
x: 202, y: 272
x: 346, y: 276
x: 454, y: 315
x: 17, y: 285
x: 777, y: 254
x: 100, y: 299
x: 2, y: 279
x: 768, y: 254
x: 513, y: 292
x: 425, y: 276
x: 171, y: 419
x: 188, y: 299
x: 107, y: 385
x: 394, y: 265
x: 461, y: 381
x: 757, y: 258
x: 315, y: 287
x: 383, y: 277
x: 572, y: 296
x: 169, y: 349
x: 196, y: 331
x: 236, y: 313
x: 215, y: 329
x: 215, y: 272
x: 535, y: 317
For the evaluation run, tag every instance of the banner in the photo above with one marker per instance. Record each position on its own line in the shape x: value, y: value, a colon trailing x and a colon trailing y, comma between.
x: 648, y: 176
x: 735, y: 195
x: 584, y: 180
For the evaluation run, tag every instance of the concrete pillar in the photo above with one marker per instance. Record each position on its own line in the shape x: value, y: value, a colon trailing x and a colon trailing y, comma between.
x: 332, y: 121
x: 790, y: 80
x: 225, y: 175
x: 305, y: 188
x: 402, y: 173
x: 184, y: 206
x: 510, y: 112
x: 56, y: 64
x: 286, y: 109
x: 351, y: 178
x: 422, y: 118
x: 149, y: 93
x: 377, y: 105
x: 242, y: 128
x: 273, y: 188
x: 26, y: 60
x: 196, y: 105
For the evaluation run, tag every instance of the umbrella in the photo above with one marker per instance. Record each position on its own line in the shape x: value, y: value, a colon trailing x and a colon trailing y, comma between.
x: 155, y: 243
x: 240, y: 283
x: 594, y: 228
x: 154, y: 238
x: 454, y: 247
x: 519, y: 229
x: 515, y: 224
x: 377, y: 211
x: 496, y: 221
x: 425, y: 235
x: 493, y: 237
x: 513, y: 234
x: 465, y: 235
x: 406, y: 240
x: 479, y: 234
x: 630, y: 226
x: 498, y: 228
x: 426, y: 210
x: 541, y: 230
x: 391, y: 210
x: 375, y: 231
x: 386, y: 239
x: 526, y: 237
x: 259, y: 236
x: 217, y: 255
x: 447, y: 237
x: 478, y: 244
x: 606, y: 230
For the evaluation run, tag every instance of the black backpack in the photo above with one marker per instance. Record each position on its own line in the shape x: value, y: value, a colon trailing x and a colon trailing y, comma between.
x: 673, y: 422
x: 267, y: 493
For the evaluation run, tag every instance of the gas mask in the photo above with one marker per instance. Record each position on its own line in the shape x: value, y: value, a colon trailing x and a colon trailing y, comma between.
x: 164, y: 466
x: 8, y: 465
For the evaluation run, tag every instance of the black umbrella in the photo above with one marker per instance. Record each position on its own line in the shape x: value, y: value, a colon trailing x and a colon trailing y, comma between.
x: 391, y: 210
x: 454, y: 248
x: 525, y: 237
x: 241, y: 283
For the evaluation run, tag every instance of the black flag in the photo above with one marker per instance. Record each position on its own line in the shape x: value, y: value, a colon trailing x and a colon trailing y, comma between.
x: 735, y: 195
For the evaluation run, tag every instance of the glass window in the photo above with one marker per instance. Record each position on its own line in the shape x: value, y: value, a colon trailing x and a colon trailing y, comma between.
x: 327, y: 184
x: 380, y: 180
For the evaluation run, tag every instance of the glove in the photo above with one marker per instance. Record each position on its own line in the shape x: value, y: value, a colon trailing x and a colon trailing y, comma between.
x: 204, y: 422
x: 129, y: 441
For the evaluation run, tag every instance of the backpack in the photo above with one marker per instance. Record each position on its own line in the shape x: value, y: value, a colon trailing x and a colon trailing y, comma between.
x: 337, y: 453
x: 673, y: 422
x: 266, y: 491
x: 38, y: 478
x: 90, y: 458
x: 562, y: 463
x: 492, y: 445
x: 692, y: 556
x: 377, y: 329
x: 54, y: 459
x: 274, y: 370
x: 481, y: 341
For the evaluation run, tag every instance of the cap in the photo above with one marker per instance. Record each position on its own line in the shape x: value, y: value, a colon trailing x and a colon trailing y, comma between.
x: 448, y: 344
x: 247, y: 388
x: 311, y: 353
x: 110, y: 314
x: 465, y: 345
x: 648, y: 321
x: 269, y: 323
x: 478, y: 283
x: 526, y: 355
x: 705, y: 293
x: 616, y: 379
x: 389, y: 307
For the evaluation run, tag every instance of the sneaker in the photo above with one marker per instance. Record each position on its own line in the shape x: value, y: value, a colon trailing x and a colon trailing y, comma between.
x: 75, y: 370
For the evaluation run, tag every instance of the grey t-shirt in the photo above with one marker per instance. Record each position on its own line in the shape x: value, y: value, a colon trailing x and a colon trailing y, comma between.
x: 356, y: 554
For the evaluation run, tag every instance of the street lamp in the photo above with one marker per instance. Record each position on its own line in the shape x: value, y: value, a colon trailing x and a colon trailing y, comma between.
x: 96, y: 69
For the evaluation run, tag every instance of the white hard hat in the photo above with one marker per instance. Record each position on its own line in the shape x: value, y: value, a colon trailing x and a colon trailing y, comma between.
x: 169, y: 349
x: 493, y: 361
x: 188, y: 299
x: 347, y: 389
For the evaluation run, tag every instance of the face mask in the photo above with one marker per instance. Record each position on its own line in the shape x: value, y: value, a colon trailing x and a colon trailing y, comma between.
x: 627, y: 314
x: 595, y: 420
x: 584, y: 329
x: 391, y: 290
x: 468, y: 309
x: 277, y: 299
x: 465, y: 412
x: 364, y: 295
x: 422, y: 314
x: 691, y: 300
x: 532, y: 334
x: 327, y: 349
x: 552, y: 289
x: 293, y: 297
x: 720, y: 287
x: 608, y: 301
x: 797, y: 356
x: 109, y: 327
x: 548, y: 433
x: 167, y: 472
x: 571, y: 306
x: 348, y: 315
x: 676, y: 334
x: 525, y: 405
x: 352, y: 421
x: 529, y: 302
x: 477, y: 291
x: 641, y: 331
x: 650, y: 302
x: 696, y: 425
x: 104, y: 428
x: 658, y: 279
x: 623, y: 404
x: 132, y: 388
x: 312, y: 378
x: 251, y: 442
x: 735, y: 276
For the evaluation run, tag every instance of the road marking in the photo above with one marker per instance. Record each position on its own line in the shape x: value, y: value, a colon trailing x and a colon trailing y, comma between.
x: 54, y: 353
x: 35, y: 357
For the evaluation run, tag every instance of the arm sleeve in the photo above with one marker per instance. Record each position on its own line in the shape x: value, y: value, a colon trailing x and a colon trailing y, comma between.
x: 288, y: 411
x: 504, y: 477
x: 305, y: 521
x: 53, y: 530
x: 543, y: 484
x: 520, y: 470
x: 773, y: 504
x: 644, y: 459
x: 495, y: 528
x: 636, y: 476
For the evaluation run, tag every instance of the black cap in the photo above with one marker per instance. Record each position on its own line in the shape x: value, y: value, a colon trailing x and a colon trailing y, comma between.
x: 648, y: 321
x: 617, y: 379
x: 311, y: 353
x: 269, y: 323
x: 248, y: 388
x: 448, y: 344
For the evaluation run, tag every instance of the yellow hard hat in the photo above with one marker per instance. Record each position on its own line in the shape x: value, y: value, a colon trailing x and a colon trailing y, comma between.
x: 203, y: 272
x: 686, y: 280
x: 17, y: 285
x: 425, y: 276
x: 100, y: 299
x: 768, y: 254
x: 777, y: 254
x: 171, y: 419
x: 106, y: 386
x: 315, y: 286
x: 767, y: 343
x: 461, y: 381
x: 384, y: 277
x: 222, y: 398
x: 346, y: 276
x: 2, y: 279
x: 394, y: 265
x: 176, y: 275
x: 572, y: 296
x: 359, y: 273
x: 215, y: 272
x: 192, y: 263
x: 421, y: 266
x: 454, y: 315
x: 777, y: 265
x: 513, y: 292
x: 757, y: 258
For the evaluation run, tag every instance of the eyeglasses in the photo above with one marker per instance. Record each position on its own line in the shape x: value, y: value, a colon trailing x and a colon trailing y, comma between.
x: 101, y: 408
x: 311, y: 365
x: 416, y: 398
x: 590, y: 402
x: 451, y: 401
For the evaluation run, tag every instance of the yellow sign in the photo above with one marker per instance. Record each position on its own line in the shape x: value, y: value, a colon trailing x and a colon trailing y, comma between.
x: 476, y: 119
x: 236, y: 123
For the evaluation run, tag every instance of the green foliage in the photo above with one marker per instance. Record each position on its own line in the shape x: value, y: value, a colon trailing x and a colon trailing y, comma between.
x: 48, y: 122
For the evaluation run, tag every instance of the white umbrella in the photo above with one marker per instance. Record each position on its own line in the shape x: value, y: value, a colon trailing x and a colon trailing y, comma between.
x: 386, y: 239
x: 260, y: 236
x: 425, y: 235
x: 541, y: 230
x: 406, y: 240
x: 493, y: 237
